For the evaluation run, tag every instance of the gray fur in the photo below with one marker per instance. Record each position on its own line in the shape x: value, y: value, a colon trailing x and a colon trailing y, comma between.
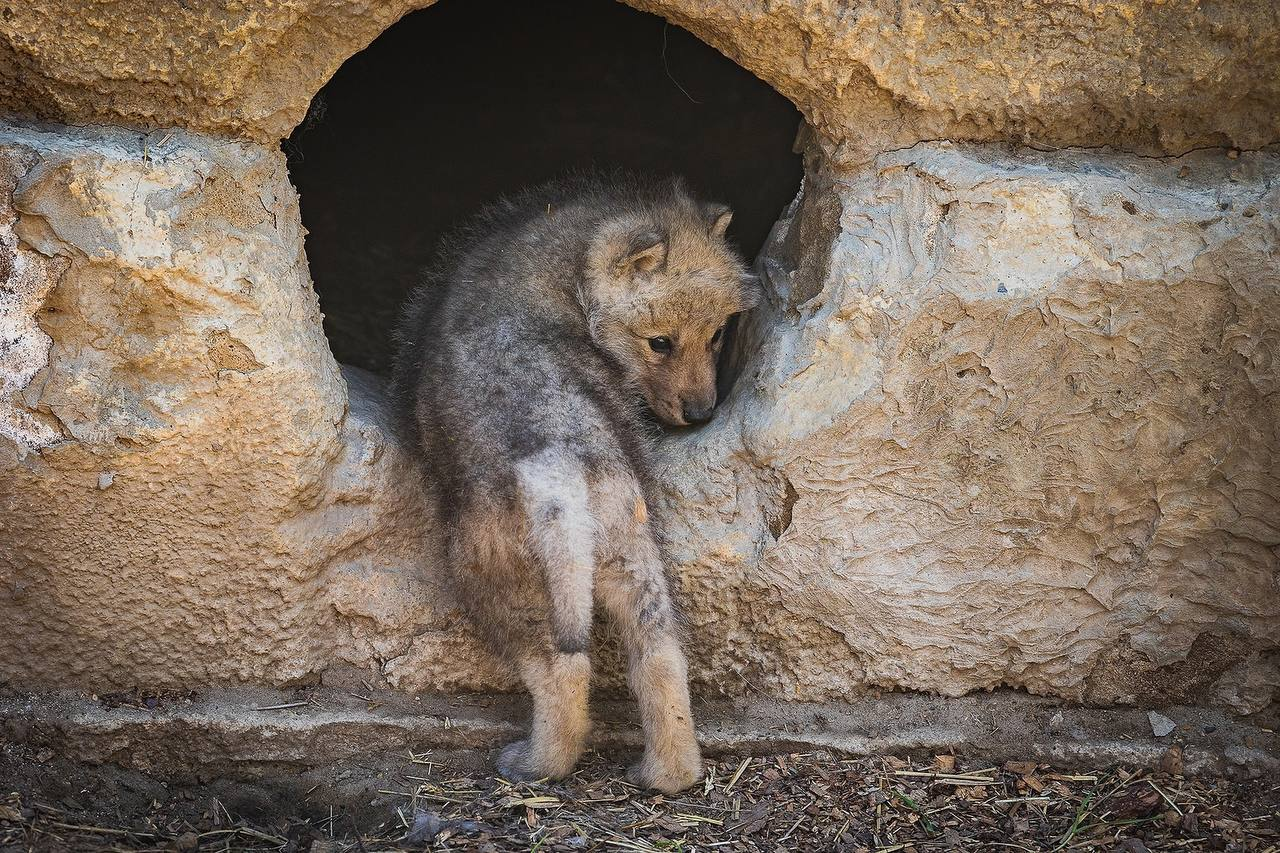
x: 524, y: 371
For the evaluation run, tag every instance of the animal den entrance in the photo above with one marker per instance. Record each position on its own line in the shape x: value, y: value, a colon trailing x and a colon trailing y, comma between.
x: 460, y: 103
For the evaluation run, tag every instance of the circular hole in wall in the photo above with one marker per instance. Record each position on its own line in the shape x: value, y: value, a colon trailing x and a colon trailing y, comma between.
x: 462, y: 102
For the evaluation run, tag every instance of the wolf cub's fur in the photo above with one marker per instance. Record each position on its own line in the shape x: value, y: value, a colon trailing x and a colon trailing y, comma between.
x: 526, y: 360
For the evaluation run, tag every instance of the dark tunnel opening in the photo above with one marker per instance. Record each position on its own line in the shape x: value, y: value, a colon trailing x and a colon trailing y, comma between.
x: 462, y: 102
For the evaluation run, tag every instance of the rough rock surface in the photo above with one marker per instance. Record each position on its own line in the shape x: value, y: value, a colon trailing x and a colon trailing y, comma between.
x: 186, y: 498
x: 1157, y: 77
x: 1017, y: 425
x: 1009, y: 416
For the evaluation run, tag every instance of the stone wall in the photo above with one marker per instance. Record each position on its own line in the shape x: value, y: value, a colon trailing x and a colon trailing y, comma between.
x: 1157, y: 77
x: 1016, y: 425
x: 1008, y: 418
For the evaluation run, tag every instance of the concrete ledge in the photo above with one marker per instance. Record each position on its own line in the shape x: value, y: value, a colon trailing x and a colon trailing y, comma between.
x: 244, y: 733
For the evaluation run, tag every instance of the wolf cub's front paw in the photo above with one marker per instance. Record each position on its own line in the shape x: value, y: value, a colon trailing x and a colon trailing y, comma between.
x: 669, y: 776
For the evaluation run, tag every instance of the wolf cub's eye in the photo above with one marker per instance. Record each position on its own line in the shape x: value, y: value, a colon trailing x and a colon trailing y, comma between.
x: 715, y: 339
x: 660, y: 344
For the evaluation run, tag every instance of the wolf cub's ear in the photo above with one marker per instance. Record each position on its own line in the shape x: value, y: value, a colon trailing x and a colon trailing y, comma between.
x: 718, y: 216
x: 645, y: 252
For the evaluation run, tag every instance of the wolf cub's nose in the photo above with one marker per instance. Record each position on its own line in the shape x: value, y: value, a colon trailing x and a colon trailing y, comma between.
x: 696, y: 413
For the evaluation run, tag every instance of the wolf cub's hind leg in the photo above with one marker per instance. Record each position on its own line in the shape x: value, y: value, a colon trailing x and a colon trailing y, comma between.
x: 561, y: 540
x: 634, y: 590
x: 559, y: 684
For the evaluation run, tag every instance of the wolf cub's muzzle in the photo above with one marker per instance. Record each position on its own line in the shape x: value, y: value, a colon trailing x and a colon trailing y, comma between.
x: 697, y: 411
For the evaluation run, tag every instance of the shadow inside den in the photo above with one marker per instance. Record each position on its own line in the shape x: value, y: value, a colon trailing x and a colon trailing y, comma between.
x: 461, y: 103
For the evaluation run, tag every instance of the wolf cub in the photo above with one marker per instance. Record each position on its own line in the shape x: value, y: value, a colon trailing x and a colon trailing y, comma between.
x: 526, y: 360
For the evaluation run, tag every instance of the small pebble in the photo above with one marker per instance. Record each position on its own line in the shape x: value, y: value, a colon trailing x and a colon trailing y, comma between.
x: 1160, y: 724
x: 426, y: 826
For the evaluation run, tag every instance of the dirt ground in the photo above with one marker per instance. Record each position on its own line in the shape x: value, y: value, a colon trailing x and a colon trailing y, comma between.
x: 795, y: 801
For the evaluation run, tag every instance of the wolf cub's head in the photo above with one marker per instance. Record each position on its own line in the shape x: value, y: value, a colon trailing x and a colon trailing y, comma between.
x: 662, y: 282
